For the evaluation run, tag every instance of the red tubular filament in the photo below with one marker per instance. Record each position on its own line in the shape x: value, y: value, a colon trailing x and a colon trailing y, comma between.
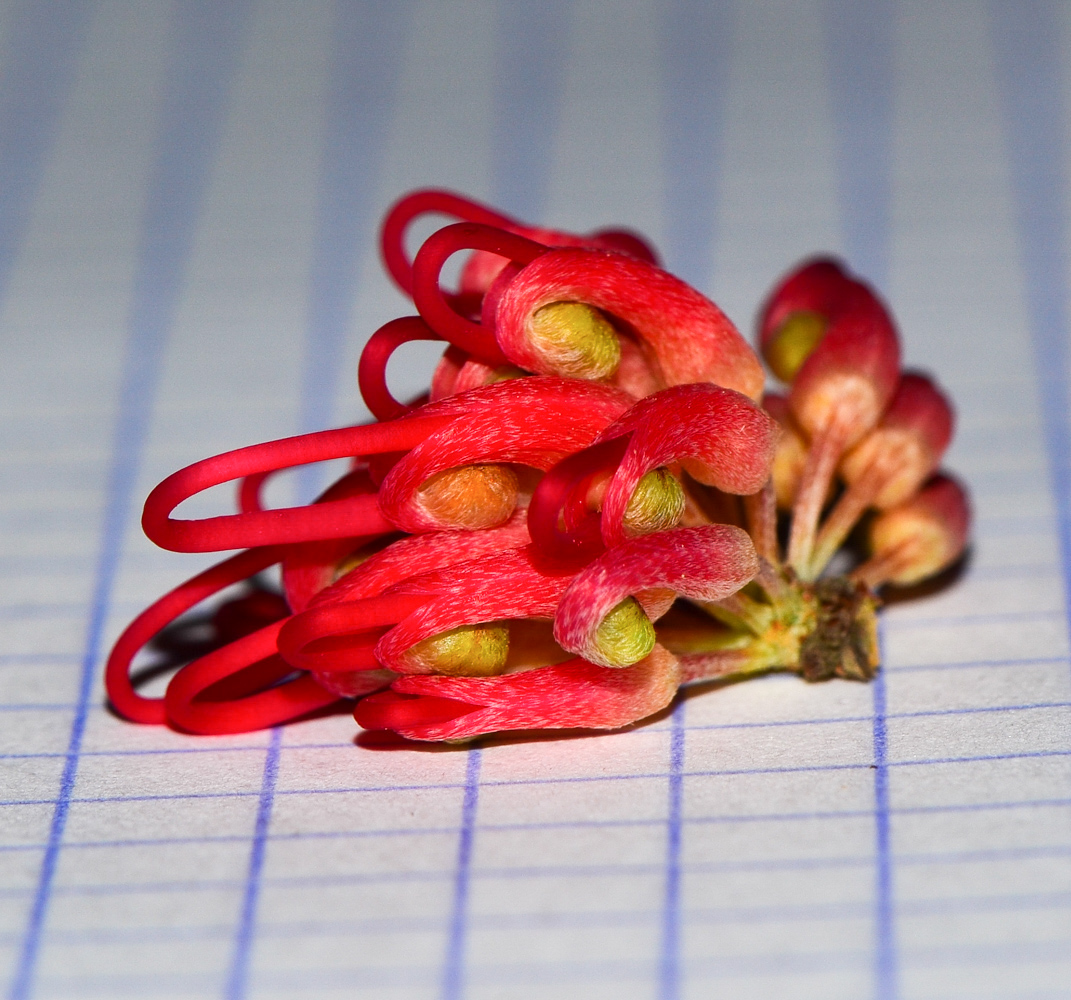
x: 399, y: 218
x: 559, y: 519
x: 272, y: 703
x: 428, y: 296
x: 126, y: 701
x: 355, y: 516
x: 372, y: 368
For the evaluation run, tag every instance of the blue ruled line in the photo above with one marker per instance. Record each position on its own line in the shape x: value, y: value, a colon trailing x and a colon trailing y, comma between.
x: 885, y: 960
x: 238, y: 976
x: 861, y: 89
x: 44, y: 44
x: 695, y: 43
x: 453, y: 976
x: 202, y: 56
x: 40, y: 59
x: 860, y: 38
x: 669, y: 973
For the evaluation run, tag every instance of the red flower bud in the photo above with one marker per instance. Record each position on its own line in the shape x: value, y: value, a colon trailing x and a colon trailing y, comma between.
x: 890, y: 463
x: 797, y: 314
x: 908, y: 444
x: 852, y: 373
x: 920, y: 537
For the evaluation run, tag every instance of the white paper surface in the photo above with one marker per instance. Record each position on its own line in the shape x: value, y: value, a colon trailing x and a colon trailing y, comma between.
x: 188, y: 202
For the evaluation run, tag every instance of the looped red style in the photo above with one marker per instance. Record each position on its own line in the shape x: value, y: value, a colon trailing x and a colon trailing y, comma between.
x: 435, y: 201
x: 473, y: 337
x: 372, y: 368
x: 261, y: 693
x: 341, y: 637
x: 403, y: 212
x: 154, y: 619
x: 354, y: 516
x: 559, y: 520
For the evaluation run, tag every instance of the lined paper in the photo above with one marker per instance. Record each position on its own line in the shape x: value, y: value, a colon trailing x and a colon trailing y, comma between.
x: 189, y: 195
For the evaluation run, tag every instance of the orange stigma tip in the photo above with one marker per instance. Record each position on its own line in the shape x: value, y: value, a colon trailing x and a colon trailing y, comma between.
x: 470, y: 496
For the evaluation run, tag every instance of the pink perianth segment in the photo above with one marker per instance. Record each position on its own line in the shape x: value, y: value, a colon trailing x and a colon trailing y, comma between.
x: 691, y: 338
x: 375, y: 631
x: 706, y: 563
x: 415, y: 555
x: 571, y: 695
x: 530, y: 421
x: 721, y: 436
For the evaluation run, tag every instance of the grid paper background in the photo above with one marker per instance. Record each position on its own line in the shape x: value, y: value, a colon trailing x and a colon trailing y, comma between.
x: 188, y: 202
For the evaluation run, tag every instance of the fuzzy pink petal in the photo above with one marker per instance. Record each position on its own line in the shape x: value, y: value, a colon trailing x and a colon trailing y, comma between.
x: 528, y: 421
x: 707, y: 563
x: 692, y: 339
x: 571, y: 695
x: 418, y: 554
x: 728, y: 441
x: 506, y: 585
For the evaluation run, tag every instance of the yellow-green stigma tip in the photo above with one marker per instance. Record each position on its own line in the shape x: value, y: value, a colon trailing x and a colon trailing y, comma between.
x: 465, y: 651
x: 576, y: 340
x: 793, y: 343
x: 656, y: 504
x: 626, y: 635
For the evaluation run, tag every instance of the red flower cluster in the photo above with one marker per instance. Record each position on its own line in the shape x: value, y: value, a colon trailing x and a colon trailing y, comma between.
x: 580, y: 516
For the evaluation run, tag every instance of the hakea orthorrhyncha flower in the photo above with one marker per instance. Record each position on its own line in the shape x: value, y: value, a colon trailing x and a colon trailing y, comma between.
x: 584, y: 515
x: 605, y: 612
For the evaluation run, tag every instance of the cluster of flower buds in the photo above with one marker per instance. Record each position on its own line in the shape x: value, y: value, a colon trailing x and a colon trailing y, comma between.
x: 583, y: 513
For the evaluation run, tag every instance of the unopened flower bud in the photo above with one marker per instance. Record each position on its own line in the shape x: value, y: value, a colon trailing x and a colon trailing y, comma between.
x: 625, y: 635
x: 465, y: 651
x: 920, y: 537
x: 816, y: 286
x: 470, y: 496
x: 575, y: 340
x: 850, y: 376
x: 907, y: 445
